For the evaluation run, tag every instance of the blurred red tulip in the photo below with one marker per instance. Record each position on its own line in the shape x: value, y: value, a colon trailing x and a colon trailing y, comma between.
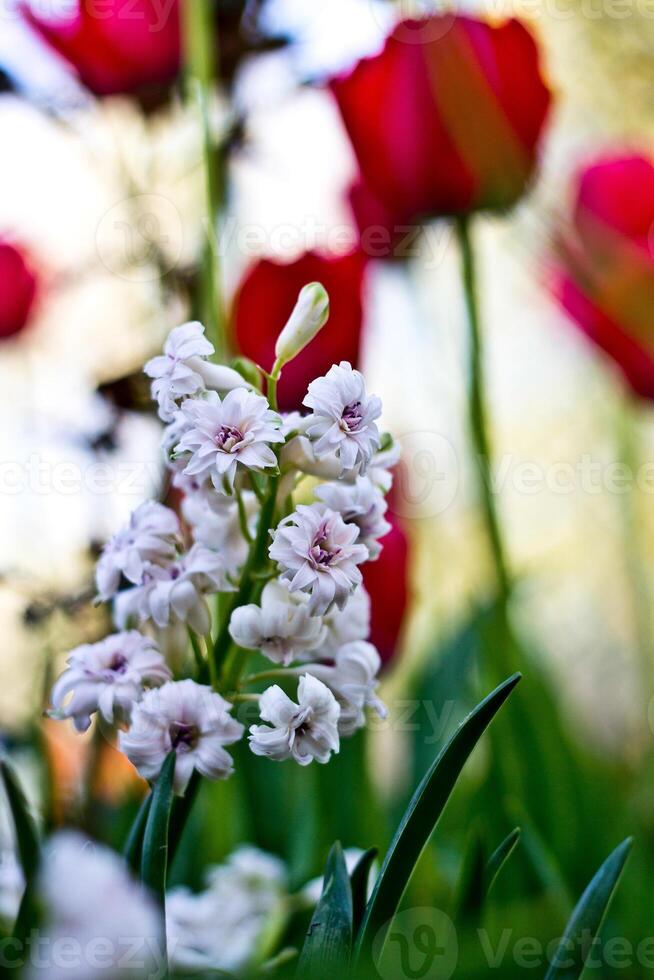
x: 17, y: 290
x: 446, y: 119
x: 607, y: 281
x: 387, y: 581
x: 117, y: 46
x: 264, y: 302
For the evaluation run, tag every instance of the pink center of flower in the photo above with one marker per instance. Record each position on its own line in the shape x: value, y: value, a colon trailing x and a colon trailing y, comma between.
x: 227, y: 438
x: 352, y: 416
x: 182, y: 735
x: 321, y: 552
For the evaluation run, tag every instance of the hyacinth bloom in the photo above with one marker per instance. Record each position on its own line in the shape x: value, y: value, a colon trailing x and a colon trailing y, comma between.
x: 343, y: 417
x: 345, y: 625
x: 352, y: 678
x: 188, y: 718
x: 282, y: 627
x: 223, y: 435
x: 445, y: 119
x: 95, y: 915
x: 150, y: 537
x: 117, y: 46
x: 266, y: 298
x: 606, y: 278
x: 214, y: 521
x: 318, y: 553
x: 304, y: 731
x: 387, y: 581
x: 359, y: 503
x: 108, y: 677
x: 17, y: 290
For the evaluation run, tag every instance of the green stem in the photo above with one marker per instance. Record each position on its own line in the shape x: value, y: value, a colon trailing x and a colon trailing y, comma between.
x: 478, y: 410
x: 243, y: 517
x: 201, y: 54
x: 636, y: 572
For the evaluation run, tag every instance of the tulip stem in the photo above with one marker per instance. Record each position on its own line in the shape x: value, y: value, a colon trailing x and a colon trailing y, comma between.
x: 478, y: 410
x: 200, y: 33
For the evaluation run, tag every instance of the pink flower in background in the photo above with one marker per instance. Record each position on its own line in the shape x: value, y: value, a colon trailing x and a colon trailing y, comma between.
x: 116, y: 46
x: 266, y: 298
x: 605, y: 278
x: 387, y: 582
x: 446, y: 119
x: 18, y: 289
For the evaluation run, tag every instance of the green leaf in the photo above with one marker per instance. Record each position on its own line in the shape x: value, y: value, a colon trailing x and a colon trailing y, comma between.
x: 359, y: 882
x: 328, y: 944
x: 27, y: 837
x: 134, y: 843
x: 499, y: 857
x: 586, y: 921
x: 472, y: 888
x: 154, y: 859
x: 422, y: 815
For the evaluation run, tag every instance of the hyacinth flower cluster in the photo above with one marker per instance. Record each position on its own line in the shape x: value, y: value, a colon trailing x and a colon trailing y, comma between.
x: 261, y: 568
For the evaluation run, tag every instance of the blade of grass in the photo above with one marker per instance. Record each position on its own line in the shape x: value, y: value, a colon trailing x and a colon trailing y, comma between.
x: 27, y: 837
x: 154, y: 857
x: 134, y: 843
x: 569, y: 961
x: 359, y: 883
x: 328, y: 944
x: 422, y: 815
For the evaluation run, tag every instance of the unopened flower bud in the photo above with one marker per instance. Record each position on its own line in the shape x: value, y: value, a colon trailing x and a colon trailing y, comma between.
x: 248, y: 371
x: 309, y: 316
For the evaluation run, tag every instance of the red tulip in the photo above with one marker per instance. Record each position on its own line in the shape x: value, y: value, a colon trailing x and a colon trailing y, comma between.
x: 607, y: 281
x: 387, y: 581
x: 17, y: 290
x: 446, y: 119
x: 117, y: 46
x: 266, y: 298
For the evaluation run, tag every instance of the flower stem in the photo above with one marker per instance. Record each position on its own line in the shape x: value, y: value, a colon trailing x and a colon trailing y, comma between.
x: 478, y: 411
x: 200, y: 39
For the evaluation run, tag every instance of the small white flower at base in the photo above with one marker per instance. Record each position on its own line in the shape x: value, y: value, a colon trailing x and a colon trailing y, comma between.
x: 345, y: 625
x: 175, y: 592
x: 188, y: 718
x: 304, y: 731
x: 353, y: 680
x: 220, y: 928
x: 108, y: 677
x: 318, y: 553
x: 174, y: 374
x: 309, y: 315
x: 98, y: 921
x: 343, y: 417
x: 282, y: 627
x: 223, y: 435
x: 150, y: 537
x: 359, y: 503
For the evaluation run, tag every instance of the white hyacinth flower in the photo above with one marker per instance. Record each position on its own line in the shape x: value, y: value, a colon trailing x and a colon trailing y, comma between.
x: 304, y: 731
x: 382, y: 464
x: 108, y: 677
x: 99, y: 918
x: 223, y: 435
x: 151, y: 536
x: 359, y: 503
x: 174, y: 373
x: 182, y: 371
x: 175, y: 592
x: 309, y: 316
x: 188, y: 718
x: 318, y: 553
x: 343, y: 417
x: 220, y: 927
x: 214, y: 521
x: 282, y: 627
x: 353, y: 681
x: 345, y: 625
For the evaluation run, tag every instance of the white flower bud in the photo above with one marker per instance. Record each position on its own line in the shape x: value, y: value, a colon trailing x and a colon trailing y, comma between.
x: 309, y: 316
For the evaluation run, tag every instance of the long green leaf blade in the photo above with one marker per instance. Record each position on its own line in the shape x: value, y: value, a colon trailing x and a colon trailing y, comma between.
x: 499, y: 857
x: 422, y: 815
x: 586, y: 921
x: 134, y: 843
x: 359, y: 881
x: 27, y: 837
x: 154, y: 857
x: 327, y: 947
